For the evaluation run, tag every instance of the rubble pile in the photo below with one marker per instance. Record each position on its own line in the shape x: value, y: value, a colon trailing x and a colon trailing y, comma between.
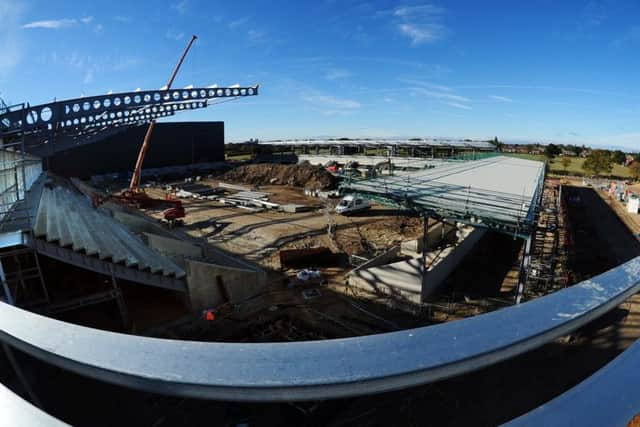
x: 306, y: 176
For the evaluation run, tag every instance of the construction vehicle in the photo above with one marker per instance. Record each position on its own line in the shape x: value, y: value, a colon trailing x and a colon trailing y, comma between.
x: 351, y: 204
x: 135, y: 195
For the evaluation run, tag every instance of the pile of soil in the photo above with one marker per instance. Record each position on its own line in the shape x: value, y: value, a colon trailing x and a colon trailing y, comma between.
x: 307, y: 176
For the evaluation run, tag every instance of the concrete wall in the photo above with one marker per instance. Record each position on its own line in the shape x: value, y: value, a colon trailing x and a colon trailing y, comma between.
x: 403, y: 279
x: 177, y: 250
x: 437, y: 276
x: 436, y: 234
x: 204, y: 291
x: 384, y: 258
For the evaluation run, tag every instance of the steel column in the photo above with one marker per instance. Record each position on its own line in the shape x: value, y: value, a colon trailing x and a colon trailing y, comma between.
x: 524, y: 269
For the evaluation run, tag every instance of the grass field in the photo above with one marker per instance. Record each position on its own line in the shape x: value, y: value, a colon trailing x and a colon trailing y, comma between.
x: 574, y: 168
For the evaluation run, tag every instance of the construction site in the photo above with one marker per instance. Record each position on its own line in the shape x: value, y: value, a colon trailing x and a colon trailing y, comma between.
x: 281, y: 289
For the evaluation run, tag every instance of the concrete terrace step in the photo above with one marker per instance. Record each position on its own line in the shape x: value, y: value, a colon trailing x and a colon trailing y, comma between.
x: 67, y: 217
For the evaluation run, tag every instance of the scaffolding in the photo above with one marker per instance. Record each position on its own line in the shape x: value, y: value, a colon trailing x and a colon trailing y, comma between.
x: 499, y: 193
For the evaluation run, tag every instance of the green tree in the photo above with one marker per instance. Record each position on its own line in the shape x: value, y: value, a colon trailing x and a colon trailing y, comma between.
x: 597, y: 162
x: 634, y: 169
x: 577, y: 150
x: 551, y: 151
x: 496, y: 143
x: 565, y: 163
x: 618, y: 157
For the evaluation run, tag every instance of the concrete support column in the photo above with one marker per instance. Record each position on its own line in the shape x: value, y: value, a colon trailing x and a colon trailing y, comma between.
x: 5, y: 286
x: 425, y: 248
x: 524, y: 268
x: 124, y: 313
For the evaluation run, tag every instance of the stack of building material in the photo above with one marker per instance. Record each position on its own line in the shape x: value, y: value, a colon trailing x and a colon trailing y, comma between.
x: 234, y: 187
x: 197, y: 191
x: 67, y: 218
x: 250, y: 199
x: 251, y: 195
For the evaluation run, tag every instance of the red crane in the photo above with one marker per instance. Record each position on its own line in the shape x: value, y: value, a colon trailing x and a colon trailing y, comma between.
x: 135, y: 179
x: 135, y: 195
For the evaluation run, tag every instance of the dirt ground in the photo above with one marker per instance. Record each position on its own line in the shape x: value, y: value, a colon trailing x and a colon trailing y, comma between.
x: 259, y: 236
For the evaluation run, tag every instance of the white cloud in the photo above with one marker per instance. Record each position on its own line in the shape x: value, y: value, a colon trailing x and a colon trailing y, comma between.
x: 173, y: 34
x: 88, y: 76
x: 51, y: 24
x: 57, y: 24
x: 459, y: 105
x: 182, y: 7
x: 500, y: 98
x: 337, y: 74
x: 428, y: 85
x: 440, y: 95
x: 256, y: 36
x: 332, y: 101
x: 421, y: 24
x: 238, y: 22
x: 594, y: 14
x: 427, y: 10
x: 422, y: 33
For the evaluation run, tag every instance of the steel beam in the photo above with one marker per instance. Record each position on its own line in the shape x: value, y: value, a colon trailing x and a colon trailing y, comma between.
x: 524, y: 268
x: 45, y: 116
x: 315, y: 370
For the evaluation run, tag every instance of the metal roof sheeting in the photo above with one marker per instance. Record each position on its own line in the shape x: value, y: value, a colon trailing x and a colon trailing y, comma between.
x: 498, y: 191
x: 68, y: 218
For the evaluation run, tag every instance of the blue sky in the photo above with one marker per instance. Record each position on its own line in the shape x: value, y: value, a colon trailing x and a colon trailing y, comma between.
x: 541, y: 70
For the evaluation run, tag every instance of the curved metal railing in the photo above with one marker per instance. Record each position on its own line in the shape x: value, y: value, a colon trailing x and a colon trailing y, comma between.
x: 317, y: 369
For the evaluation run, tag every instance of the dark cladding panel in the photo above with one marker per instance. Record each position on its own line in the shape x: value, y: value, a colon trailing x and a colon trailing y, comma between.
x: 172, y: 144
